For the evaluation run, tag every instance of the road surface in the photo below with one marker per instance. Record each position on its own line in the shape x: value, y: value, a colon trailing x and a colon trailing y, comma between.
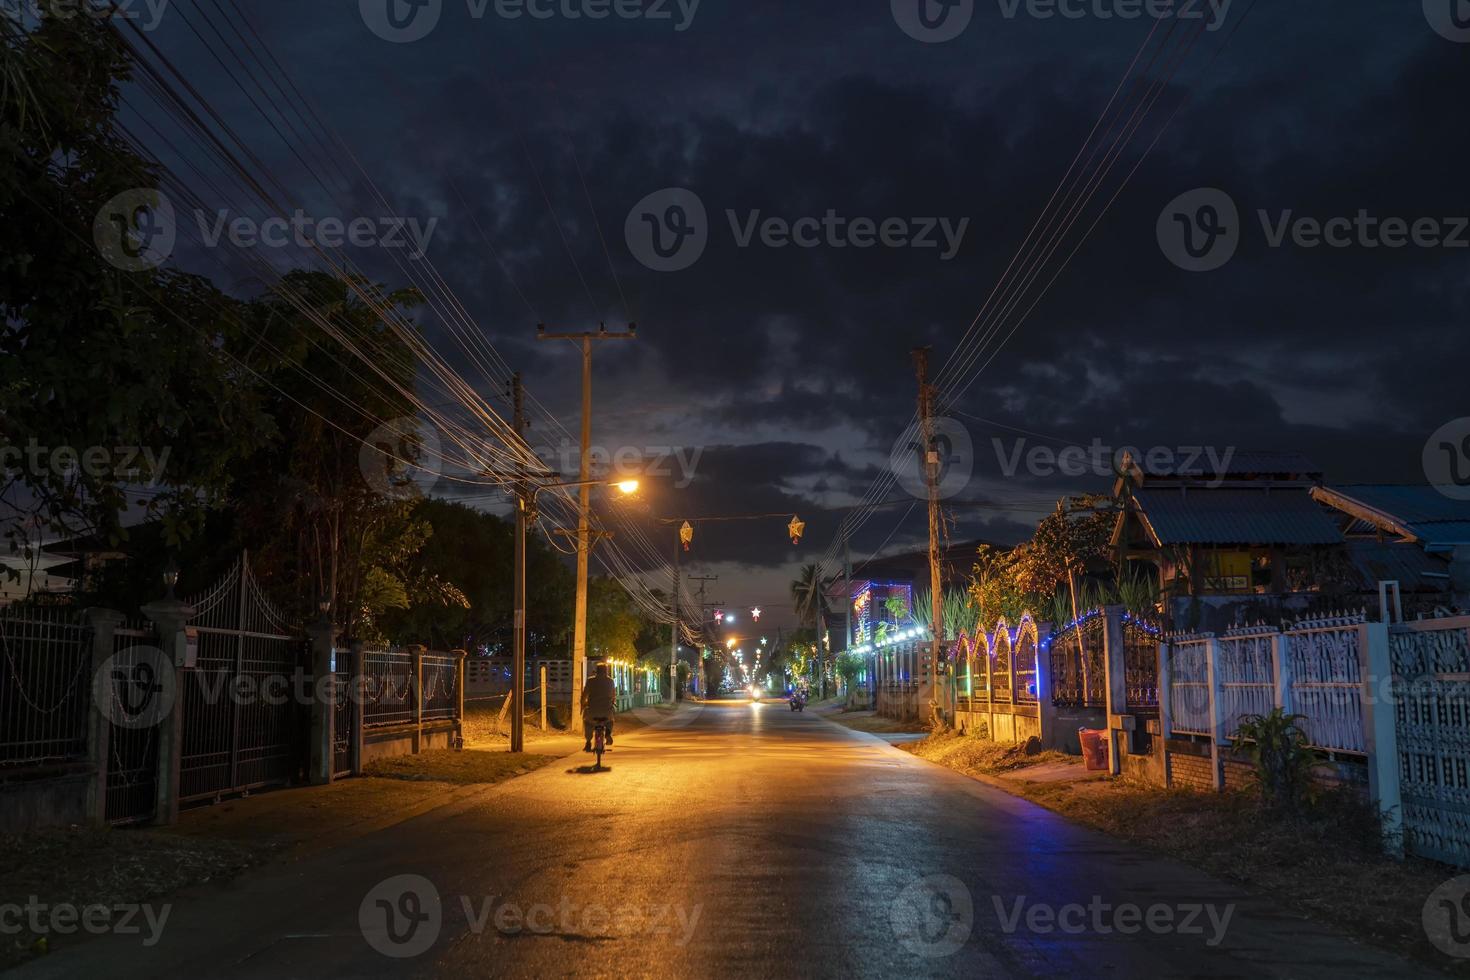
x: 739, y: 841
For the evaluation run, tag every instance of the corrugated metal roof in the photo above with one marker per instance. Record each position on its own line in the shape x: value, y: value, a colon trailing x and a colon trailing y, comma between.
x: 1237, y: 515
x: 1421, y: 509
x: 1232, y: 462
x: 1401, y: 561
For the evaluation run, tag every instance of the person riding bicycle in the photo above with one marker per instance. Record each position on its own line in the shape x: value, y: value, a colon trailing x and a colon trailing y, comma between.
x: 599, y: 702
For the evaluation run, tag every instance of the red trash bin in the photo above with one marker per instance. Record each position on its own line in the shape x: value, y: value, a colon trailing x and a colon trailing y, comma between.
x: 1094, y: 748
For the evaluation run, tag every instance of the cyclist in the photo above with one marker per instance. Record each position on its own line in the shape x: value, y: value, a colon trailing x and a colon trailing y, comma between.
x: 599, y: 702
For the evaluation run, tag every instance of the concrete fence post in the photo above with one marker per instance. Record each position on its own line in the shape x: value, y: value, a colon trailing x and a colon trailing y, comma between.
x: 416, y: 673
x: 1120, y: 722
x: 357, y: 692
x: 1046, y: 708
x: 1380, y: 734
x: 1281, y: 671
x: 1166, y: 692
x: 323, y: 703
x: 169, y: 616
x: 542, y: 680
x: 1217, y: 721
x: 104, y: 624
x: 459, y: 680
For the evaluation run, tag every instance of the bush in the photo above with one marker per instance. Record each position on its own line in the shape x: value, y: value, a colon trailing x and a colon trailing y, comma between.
x: 1283, y: 759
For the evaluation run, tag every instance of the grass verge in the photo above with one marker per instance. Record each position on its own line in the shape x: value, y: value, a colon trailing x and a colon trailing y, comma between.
x: 978, y: 756
x: 1327, y: 864
x: 469, y: 767
x: 85, y: 867
x: 868, y: 721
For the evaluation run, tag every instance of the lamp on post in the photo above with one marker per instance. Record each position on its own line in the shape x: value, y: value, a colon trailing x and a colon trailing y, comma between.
x: 170, y: 577
x: 526, y: 491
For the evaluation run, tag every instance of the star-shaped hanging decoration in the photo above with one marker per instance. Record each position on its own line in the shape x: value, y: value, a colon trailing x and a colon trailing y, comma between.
x: 755, y: 613
x: 686, y: 534
x: 795, y: 528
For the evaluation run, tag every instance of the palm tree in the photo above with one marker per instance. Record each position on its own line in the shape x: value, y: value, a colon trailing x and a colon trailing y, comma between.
x: 809, y: 599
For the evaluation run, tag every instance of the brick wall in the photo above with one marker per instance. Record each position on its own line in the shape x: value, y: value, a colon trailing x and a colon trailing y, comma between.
x: 1239, y: 775
x: 1190, y: 772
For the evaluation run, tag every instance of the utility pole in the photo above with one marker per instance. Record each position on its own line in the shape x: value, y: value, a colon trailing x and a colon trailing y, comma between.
x: 847, y: 602
x: 674, y: 630
x: 697, y: 675
x: 930, y: 460
x: 525, y: 500
x: 584, y: 505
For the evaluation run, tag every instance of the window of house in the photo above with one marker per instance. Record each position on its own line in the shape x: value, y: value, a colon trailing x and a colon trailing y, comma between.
x: 1227, y: 571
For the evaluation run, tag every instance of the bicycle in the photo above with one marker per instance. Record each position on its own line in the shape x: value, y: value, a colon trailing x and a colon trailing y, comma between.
x: 599, y: 740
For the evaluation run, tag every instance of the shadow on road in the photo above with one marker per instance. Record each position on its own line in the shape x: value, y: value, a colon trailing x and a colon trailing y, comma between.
x: 588, y: 770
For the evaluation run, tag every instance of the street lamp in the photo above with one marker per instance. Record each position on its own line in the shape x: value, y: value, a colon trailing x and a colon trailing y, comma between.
x: 526, y: 492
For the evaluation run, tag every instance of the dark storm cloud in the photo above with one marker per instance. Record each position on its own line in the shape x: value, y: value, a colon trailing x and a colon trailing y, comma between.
x: 789, y: 367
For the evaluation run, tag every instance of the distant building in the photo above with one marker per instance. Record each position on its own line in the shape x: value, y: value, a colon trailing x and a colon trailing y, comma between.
x: 1232, y: 542
x: 894, y: 577
x: 1411, y: 534
x: 1261, y: 537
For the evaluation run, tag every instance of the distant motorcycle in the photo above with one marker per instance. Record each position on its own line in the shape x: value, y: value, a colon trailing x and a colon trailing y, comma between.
x: 798, y: 700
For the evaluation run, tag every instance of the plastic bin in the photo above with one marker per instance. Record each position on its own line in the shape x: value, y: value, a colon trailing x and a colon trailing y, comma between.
x: 1094, y: 748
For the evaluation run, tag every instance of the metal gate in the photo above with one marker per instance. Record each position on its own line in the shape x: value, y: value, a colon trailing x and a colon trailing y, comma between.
x: 244, y: 720
x: 344, y: 718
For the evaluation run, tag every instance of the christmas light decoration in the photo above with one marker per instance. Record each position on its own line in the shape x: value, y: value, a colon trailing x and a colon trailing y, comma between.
x: 686, y: 534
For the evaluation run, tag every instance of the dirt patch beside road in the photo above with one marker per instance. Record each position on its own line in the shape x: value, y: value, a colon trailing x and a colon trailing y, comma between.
x: 1329, y: 864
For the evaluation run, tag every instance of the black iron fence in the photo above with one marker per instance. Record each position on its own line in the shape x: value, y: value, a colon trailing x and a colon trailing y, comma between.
x: 45, y: 660
x: 220, y: 695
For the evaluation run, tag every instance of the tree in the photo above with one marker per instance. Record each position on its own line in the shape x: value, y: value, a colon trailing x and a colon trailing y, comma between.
x: 809, y: 600
x: 613, y: 621
x: 113, y: 381
x: 471, y: 552
x: 994, y: 589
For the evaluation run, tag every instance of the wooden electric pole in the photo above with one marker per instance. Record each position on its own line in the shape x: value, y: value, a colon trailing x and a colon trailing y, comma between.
x: 525, y: 500
x: 929, y: 457
x: 585, y: 535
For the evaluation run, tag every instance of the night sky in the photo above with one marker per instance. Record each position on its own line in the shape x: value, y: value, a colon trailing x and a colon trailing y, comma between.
x: 787, y: 369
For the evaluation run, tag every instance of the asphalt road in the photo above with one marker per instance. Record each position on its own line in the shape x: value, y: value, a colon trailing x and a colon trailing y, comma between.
x: 739, y: 841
